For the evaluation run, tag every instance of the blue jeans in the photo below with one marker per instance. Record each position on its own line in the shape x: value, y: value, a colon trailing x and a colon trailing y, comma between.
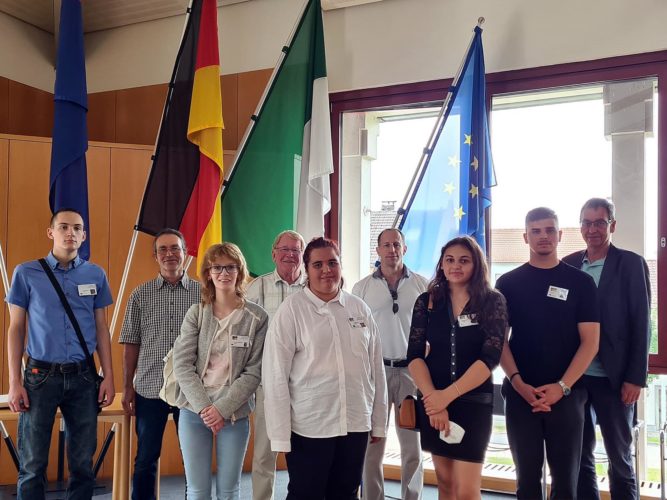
x: 197, y: 446
x: 76, y: 396
x: 604, y: 407
x: 151, y: 419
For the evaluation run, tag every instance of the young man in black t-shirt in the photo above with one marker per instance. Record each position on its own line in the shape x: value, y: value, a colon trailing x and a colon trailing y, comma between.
x: 555, y: 330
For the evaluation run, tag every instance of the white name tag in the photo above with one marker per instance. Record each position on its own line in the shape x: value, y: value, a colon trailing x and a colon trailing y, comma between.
x: 85, y: 290
x: 357, y: 322
x: 240, y: 341
x: 556, y: 292
x: 467, y: 320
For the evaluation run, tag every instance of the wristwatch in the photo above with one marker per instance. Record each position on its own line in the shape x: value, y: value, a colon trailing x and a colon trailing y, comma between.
x: 565, y: 387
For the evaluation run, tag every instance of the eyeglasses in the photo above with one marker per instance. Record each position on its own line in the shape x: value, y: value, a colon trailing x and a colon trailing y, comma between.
x: 230, y: 269
x: 394, y: 297
x: 175, y: 249
x: 288, y: 250
x: 599, y: 224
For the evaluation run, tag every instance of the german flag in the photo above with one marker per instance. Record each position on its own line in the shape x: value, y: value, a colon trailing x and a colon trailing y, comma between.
x: 183, y: 189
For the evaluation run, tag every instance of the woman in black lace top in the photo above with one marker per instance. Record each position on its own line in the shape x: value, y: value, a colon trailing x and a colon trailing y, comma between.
x: 456, y: 338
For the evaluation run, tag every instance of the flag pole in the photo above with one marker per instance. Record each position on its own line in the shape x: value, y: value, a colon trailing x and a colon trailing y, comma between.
x: 442, y: 117
x: 3, y: 271
x: 123, y: 283
x: 135, y: 232
x: 267, y: 90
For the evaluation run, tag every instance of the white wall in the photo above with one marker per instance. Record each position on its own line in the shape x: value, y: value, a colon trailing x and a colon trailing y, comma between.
x: 398, y: 41
x: 252, y: 35
x: 27, y: 54
x: 383, y: 43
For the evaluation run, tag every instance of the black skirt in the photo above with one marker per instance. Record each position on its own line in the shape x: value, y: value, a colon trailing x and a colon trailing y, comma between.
x: 475, y: 418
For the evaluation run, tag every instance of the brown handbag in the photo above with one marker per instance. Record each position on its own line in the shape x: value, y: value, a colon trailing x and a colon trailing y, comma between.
x: 407, y: 414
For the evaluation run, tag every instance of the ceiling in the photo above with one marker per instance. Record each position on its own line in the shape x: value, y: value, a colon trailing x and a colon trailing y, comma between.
x: 105, y: 14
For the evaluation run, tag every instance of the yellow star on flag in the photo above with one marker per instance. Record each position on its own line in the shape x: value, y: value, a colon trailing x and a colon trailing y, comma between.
x: 449, y: 188
x: 459, y: 213
x: 454, y: 161
x: 475, y: 163
x: 474, y: 191
x: 468, y: 139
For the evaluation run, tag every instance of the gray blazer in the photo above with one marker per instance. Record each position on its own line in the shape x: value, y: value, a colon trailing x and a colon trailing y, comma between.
x: 191, y: 353
x: 624, y: 295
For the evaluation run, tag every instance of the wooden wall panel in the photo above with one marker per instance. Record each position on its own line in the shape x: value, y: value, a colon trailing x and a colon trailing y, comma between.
x: 250, y: 89
x: 102, y: 116
x: 7, y: 473
x: 129, y: 169
x: 230, y: 110
x: 4, y: 190
x: 98, y: 160
x: 4, y: 105
x: 27, y: 220
x: 138, y: 113
x: 30, y: 110
x: 29, y: 213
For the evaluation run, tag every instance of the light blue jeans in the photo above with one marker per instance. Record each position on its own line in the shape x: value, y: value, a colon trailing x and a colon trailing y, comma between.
x: 196, y: 442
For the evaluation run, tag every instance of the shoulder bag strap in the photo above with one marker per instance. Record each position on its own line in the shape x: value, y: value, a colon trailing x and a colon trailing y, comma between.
x: 70, y: 313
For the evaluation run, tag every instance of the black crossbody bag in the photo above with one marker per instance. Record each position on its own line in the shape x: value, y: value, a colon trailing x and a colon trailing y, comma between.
x: 75, y: 324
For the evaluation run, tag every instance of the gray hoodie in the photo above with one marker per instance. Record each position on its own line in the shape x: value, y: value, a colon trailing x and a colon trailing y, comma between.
x: 192, y: 351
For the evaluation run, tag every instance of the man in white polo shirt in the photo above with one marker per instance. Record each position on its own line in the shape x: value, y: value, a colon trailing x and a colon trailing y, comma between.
x: 391, y: 292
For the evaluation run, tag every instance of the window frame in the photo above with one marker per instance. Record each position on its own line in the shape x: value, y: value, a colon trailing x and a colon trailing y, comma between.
x: 650, y: 64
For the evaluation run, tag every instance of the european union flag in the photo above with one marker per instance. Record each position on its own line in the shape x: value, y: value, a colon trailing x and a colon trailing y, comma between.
x: 454, y: 185
x: 68, y: 186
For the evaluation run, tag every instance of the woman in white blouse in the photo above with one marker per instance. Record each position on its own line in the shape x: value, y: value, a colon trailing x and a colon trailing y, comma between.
x: 324, y: 382
x: 217, y: 362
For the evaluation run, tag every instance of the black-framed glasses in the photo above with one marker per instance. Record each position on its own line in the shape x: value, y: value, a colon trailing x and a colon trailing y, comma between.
x: 230, y: 269
x: 598, y: 224
x: 394, y: 297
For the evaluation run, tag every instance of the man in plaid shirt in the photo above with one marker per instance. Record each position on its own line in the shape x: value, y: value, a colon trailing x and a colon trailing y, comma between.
x: 269, y: 291
x: 152, y: 322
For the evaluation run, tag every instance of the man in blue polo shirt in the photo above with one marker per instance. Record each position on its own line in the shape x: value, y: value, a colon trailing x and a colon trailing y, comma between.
x: 57, y: 373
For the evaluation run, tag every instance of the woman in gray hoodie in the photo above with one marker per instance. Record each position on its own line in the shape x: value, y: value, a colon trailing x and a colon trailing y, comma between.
x: 217, y: 362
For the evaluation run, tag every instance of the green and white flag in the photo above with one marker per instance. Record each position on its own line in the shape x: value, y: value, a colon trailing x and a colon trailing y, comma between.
x: 280, y: 179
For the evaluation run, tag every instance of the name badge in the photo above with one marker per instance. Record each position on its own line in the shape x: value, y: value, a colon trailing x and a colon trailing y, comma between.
x: 467, y: 320
x: 240, y: 341
x: 556, y: 292
x: 357, y: 322
x: 85, y: 290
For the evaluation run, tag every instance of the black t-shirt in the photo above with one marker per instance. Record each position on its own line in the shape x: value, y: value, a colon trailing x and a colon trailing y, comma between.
x: 545, y: 306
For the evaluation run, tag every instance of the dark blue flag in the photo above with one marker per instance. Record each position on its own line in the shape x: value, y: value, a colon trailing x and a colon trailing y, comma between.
x: 68, y: 186
x: 454, y: 186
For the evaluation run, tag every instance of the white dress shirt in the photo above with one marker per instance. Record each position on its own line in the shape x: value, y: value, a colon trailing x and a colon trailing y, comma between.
x: 394, y: 328
x: 322, y: 370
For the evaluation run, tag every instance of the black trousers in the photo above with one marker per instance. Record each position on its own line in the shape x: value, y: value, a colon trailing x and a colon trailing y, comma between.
x: 560, y: 431
x: 326, y: 468
x: 604, y: 407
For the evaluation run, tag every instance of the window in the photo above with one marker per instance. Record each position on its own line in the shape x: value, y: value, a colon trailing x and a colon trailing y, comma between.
x: 560, y: 119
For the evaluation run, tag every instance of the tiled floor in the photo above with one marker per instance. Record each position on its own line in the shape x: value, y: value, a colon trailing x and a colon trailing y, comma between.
x: 173, y: 487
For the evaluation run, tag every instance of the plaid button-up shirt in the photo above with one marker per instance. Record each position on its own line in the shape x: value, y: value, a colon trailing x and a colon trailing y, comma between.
x: 270, y: 290
x: 153, y: 320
